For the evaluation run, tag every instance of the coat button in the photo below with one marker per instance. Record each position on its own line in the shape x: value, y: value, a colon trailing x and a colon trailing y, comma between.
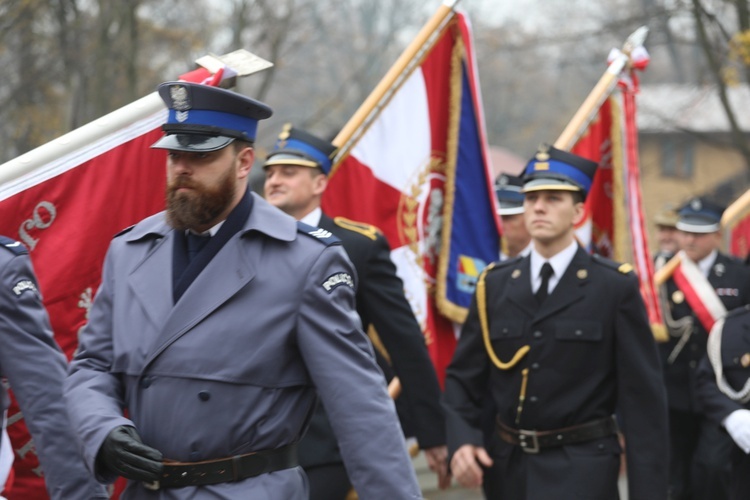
x: 534, y: 366
x: 146, y: 382
x: 692, y: 363
x: 579, y: 333
x: 533, y: 399
x: 537, y: 334
x: 204, y: 395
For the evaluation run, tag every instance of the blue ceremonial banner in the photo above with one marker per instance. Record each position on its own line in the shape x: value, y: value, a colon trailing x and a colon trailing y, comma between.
x: 471, y: 236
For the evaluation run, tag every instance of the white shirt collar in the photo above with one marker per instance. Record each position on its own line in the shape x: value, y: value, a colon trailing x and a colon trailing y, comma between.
x: 313, y: 218
x: 211, y: 231
x: 706, y: 262
x: 559, y: 262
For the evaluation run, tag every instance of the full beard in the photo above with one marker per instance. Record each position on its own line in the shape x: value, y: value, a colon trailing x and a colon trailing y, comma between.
x: 200, y: 207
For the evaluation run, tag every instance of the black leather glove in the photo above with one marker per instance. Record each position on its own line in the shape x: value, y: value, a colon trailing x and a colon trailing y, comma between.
x: 124, y: 453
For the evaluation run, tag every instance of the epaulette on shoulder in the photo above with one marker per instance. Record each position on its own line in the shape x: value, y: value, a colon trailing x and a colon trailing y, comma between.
x: 124, y: 231
x: 508, y: 262
x: 13, y: 246
x: 738, y: 311
x: 495, y: 266
x: 358, y: 227
x: 623, y: 268
x: 323, y: 236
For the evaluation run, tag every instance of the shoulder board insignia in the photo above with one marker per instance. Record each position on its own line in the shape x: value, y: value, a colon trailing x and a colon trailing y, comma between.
x: 319, y: 234
x: 13, y: 246
x: 124, y: 231
x: 358, y: 227
x: 504, y: 263
x: 625, y: 268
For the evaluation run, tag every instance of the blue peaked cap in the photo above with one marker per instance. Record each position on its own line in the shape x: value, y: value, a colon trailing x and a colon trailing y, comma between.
x: 206, y: 118
x: 297, y: 147
x: 509, y: 196
x: 555, y: 169
x: 699, y: 215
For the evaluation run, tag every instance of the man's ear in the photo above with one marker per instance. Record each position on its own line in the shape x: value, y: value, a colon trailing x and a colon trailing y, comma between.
x: 578, y: 213
x: 320, y: 183
x: 245, y: 157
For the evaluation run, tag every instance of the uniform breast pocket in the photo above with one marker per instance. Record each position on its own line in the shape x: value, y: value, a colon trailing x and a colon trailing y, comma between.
x: 581, y: 331
x: 506, y: 329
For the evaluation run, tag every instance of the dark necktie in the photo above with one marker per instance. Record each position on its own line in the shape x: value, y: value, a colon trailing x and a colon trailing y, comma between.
x: 195, y: 243
x: 545, y: 273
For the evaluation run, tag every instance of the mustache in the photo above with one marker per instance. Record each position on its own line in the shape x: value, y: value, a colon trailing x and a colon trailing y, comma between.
x: 182, y: 182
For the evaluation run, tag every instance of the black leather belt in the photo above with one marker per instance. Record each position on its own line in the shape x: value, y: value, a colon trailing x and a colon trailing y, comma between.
x: 224, y: 470
x: 533, y: 441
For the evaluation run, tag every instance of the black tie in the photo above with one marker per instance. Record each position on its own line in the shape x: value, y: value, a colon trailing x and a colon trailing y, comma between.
x: 195, y: 243
x: 545, y: 273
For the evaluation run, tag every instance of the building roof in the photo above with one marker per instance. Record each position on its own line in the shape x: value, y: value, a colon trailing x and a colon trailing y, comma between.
x: 674, y: 107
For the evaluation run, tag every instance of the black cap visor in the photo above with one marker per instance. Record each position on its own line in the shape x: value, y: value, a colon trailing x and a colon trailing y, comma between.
x: 193, y: 142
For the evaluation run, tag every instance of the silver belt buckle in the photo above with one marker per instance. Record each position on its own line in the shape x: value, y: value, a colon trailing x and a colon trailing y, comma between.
x: 151, y: 485
x: 528, y: 441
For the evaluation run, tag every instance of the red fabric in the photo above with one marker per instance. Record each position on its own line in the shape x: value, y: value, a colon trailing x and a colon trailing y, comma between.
x: 355, y: 193
x: 67, y: 222
x: 91, y: 203
x: 739, y: 243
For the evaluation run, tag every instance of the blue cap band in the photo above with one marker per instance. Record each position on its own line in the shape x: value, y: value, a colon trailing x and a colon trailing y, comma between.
x: 202, y: 117
x: 559, y: 170
x: 293, y: 145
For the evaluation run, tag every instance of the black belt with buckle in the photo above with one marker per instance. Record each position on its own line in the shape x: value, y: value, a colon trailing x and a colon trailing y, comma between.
x: 224, y: 470
x: 533, y: 441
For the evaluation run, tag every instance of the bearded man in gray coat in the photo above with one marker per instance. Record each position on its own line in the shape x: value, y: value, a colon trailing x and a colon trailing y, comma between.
x: 214, y: 326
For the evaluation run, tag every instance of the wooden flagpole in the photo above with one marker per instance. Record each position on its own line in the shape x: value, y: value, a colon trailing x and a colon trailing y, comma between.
x: 582, y: 118
x: 392, y: 81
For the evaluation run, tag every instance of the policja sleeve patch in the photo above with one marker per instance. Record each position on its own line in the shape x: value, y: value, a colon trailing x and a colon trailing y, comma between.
x: 336, y: 280
x: 24, y: 285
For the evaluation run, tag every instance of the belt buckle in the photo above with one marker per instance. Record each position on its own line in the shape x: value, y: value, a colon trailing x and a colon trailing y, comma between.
x: 151, y: 485
x: 528, y: 441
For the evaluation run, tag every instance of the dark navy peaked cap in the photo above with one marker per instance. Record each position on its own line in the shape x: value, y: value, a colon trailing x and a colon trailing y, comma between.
x: 699, y: 215
x: 297, y: 147
x: 206, y: 118
x: 554, y: 169
x: 509, y: 196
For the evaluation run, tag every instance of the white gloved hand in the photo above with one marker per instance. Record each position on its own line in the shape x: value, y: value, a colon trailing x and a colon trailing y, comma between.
x: 737, y: 425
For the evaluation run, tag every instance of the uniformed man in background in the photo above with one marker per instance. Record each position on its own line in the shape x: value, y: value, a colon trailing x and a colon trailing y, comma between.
x: 562, y: 340
x: 296, y: 177
x: 724, y: 391
x: 216, y: 324
x: 708, y: 285
x: 666, y: 235
x: 516, y: 239
x: 35, y: 367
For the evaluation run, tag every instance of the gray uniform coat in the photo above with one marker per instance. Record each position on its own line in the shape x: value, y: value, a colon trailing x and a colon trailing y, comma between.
x: 232, y: 367
x: 35, y: 367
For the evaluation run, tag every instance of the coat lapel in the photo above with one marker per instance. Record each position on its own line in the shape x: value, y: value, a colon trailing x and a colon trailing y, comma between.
x: 569, y: 289
x: 217, y: 283
x: 519, y: 287
x: 151, y: 279
x: 231, y: 269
